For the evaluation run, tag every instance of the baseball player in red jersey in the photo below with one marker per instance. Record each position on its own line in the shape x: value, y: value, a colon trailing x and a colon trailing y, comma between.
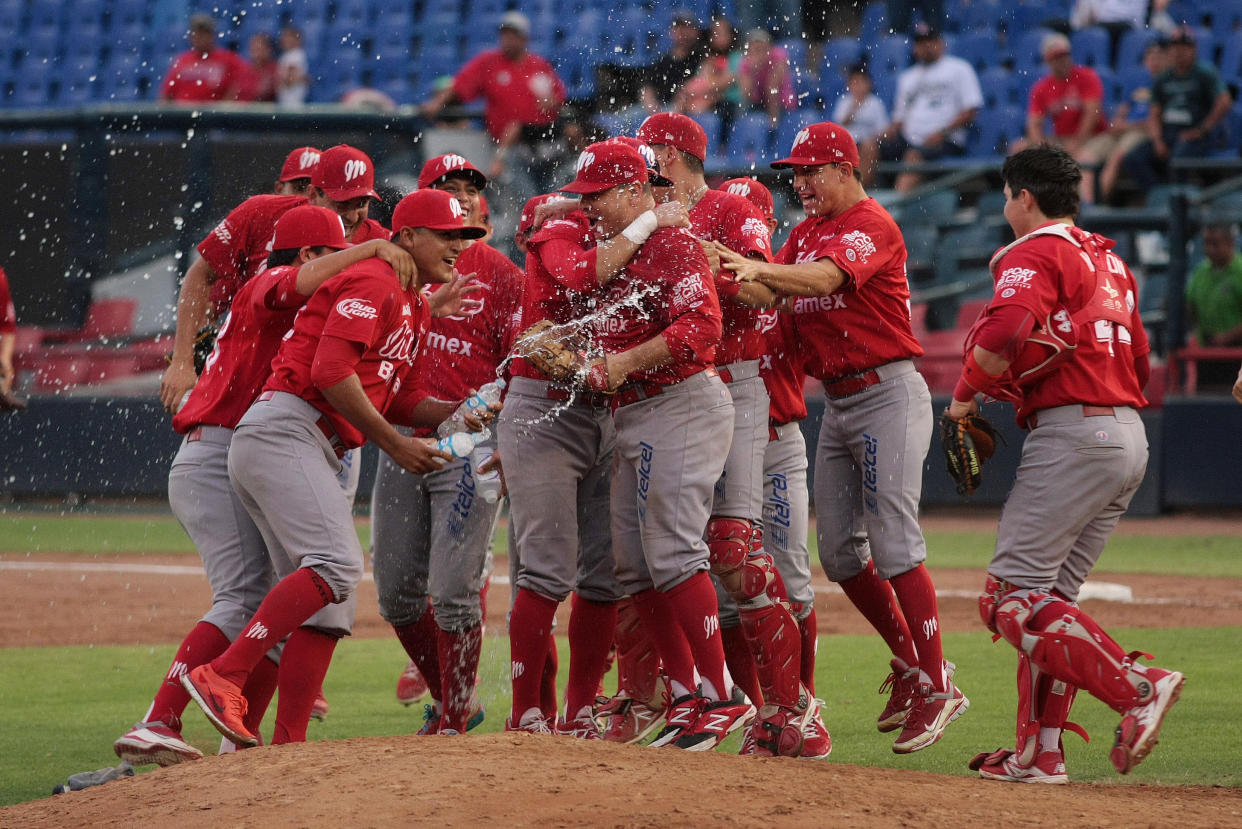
x: 760, y: 634
x: 344, y: 372
x: 845, y: 263
x: 558, y: 443
x: 658, y: 326
x: 785, y: 495
x: 236, y: 250
x: 295, y: 173
x: 432, y: 533
x: 231, y: 547
x: 1059, y: 286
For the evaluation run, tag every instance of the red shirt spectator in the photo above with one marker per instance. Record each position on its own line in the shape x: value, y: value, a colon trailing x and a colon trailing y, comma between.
x: 205, y: 72
x: 1064, y: 100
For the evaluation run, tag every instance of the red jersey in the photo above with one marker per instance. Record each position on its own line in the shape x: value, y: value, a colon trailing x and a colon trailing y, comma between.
x: 462, y: 352
x: 781, y: 369
x: 665, y: 289
x: 363, y: 304
x: 239, y: 246
x: 866, y: 322
x: 512, y: 89
x: 8, y: 314
x: 560, y: 278
x: 367, y: 230
x: 738, y: 225
x: 1064, y: 99
x: 214, y: 76
x: 241, y: 360
x: 1046, y: 271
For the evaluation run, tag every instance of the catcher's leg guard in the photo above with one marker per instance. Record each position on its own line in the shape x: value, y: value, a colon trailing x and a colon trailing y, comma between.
x: 1043, y: 702
x: 770, y: 629
x: 1066, y: 643
x: 808, y: 631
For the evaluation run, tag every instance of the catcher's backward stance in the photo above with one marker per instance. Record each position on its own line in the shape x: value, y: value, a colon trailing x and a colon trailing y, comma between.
x: 1081, y: 463
x: 845, y: 267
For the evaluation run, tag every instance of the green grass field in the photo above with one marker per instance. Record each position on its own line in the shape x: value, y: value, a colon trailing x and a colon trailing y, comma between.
x: 63, y: 707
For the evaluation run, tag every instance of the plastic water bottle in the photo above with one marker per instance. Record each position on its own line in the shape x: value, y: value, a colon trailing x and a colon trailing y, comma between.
x: 461, y: 444
x: 475, y: 404
x: 486, y: 484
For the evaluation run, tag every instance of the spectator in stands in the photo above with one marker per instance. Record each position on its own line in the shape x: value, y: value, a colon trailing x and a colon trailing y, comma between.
x: 1188, y: 102
x: 676, y: 66
x: 937, y: 98
x: 292, y: 69
x: 1118, y: 17
x: 262, y: 57
x: 714, y: 86
x: 823, y: 20
x: 1129, y: 125
x: 523, y: 95
x: 8, y: 334
x: 862, y: 112
x: 1214, y: 290
x: 765, y: 77
x: 204, y: 72
x: 1072, y: 98
x: 901, y: 13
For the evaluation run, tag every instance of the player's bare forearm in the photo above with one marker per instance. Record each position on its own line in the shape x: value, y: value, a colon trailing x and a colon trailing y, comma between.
x: 818, y: 278
x: 412, y: 454
x: 651, y: 353
x: 319, y: 270
x: 192, y: 310
x: 7, y: 344
x: 757, y: 295
x: 430, y: 412
x: 613, y: 254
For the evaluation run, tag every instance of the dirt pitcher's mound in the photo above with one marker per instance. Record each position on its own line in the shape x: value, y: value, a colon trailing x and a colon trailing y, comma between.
x: 522, y: 780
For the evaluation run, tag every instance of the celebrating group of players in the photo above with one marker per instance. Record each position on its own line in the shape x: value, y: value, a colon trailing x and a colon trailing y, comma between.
x: 659, y: 477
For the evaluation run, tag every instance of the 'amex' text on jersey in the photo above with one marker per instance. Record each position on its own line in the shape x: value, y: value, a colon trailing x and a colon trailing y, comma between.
x: 818, y: 304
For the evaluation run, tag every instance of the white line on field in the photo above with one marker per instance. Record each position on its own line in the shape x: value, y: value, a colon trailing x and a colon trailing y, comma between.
x: 1105, y: 591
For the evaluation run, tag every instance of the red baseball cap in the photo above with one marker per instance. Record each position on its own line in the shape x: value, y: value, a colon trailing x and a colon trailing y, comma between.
x: 433, y: 209
x: 345, y: 173
x: 309, y: 226
x: 484, y: 210
x: 450, y: 164
x: 300, y: 163
x: 675, y: 130
x: 607, y: 164
x: 653, y: 166
x: 753, y: 192
x: 526, y: 221
x: 818, y: 144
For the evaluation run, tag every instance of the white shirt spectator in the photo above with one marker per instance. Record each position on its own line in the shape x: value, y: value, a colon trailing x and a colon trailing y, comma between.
x: 1089, y: 12
x: 930, y: 96
x: 292, y: 64
x: 870, y: 118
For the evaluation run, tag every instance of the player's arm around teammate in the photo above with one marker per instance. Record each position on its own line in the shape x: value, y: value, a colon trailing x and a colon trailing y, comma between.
x: 1082, y: 462
x: 847, y: 262
x: 341, y: 369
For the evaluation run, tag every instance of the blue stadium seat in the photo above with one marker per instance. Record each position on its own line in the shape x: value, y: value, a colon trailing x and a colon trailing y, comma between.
x: 1130, y: 50
x: 750, y: 140
x: 1026, y: 55
x: 1018, y: 18
x: 889, y: 57
x: 994, y: 130
x: 874, y: 22
x: 392, y: 45
x: 977, y: 16
x: 31, y: 89
x: 999, y: 86
x: 789, y: 127
x: 1230, y: 65
x: 1226, y: 21
x: 1090, y: 47
x: 437, y: 59
x: 710, y: 122
x: 1112, y: 87
x: 839, y: 54
x: 976, y: 48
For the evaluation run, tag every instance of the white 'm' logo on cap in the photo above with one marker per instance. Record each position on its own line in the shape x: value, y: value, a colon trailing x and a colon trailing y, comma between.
x: 309, y: 158
x: 803, y: 135
x: 452, y: 162
x: 648, y: 154
x: 585, y: 160
x: 355, y: 168
x: 455, y: 206
x: 741, y: 188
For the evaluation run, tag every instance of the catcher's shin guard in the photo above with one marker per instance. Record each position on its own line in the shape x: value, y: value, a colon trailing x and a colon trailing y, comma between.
x: 1043, y: 702
x: 771, y: 630
x: 1067, y: 644
x: 808, y: 631
x: 638, y: 664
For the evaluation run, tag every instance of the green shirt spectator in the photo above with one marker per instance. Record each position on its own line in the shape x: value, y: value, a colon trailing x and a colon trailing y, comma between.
x: 1214, y: 292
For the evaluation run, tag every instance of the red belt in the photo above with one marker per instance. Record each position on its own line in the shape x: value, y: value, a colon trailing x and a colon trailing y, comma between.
x: 852, y: 384
x: 1087, y: 411
x: 725, y: 374
x: 773, y: 434
x: 194, y: 435
x: 323, y: 424
x: 594, y: 399
x: 633, y: 392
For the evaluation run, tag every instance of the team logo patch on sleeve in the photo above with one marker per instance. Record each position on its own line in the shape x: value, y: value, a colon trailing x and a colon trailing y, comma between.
x: 1013, y: 280
x: 359, y: 309
x: 860, y: 246
x: 688, y: 292
x: 757, y: 229
x: 223, y: 233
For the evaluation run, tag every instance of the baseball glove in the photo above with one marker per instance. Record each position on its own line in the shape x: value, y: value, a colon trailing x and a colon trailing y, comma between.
x: 561, y: 353
x: 968, y: 442
x: 204, y: 342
